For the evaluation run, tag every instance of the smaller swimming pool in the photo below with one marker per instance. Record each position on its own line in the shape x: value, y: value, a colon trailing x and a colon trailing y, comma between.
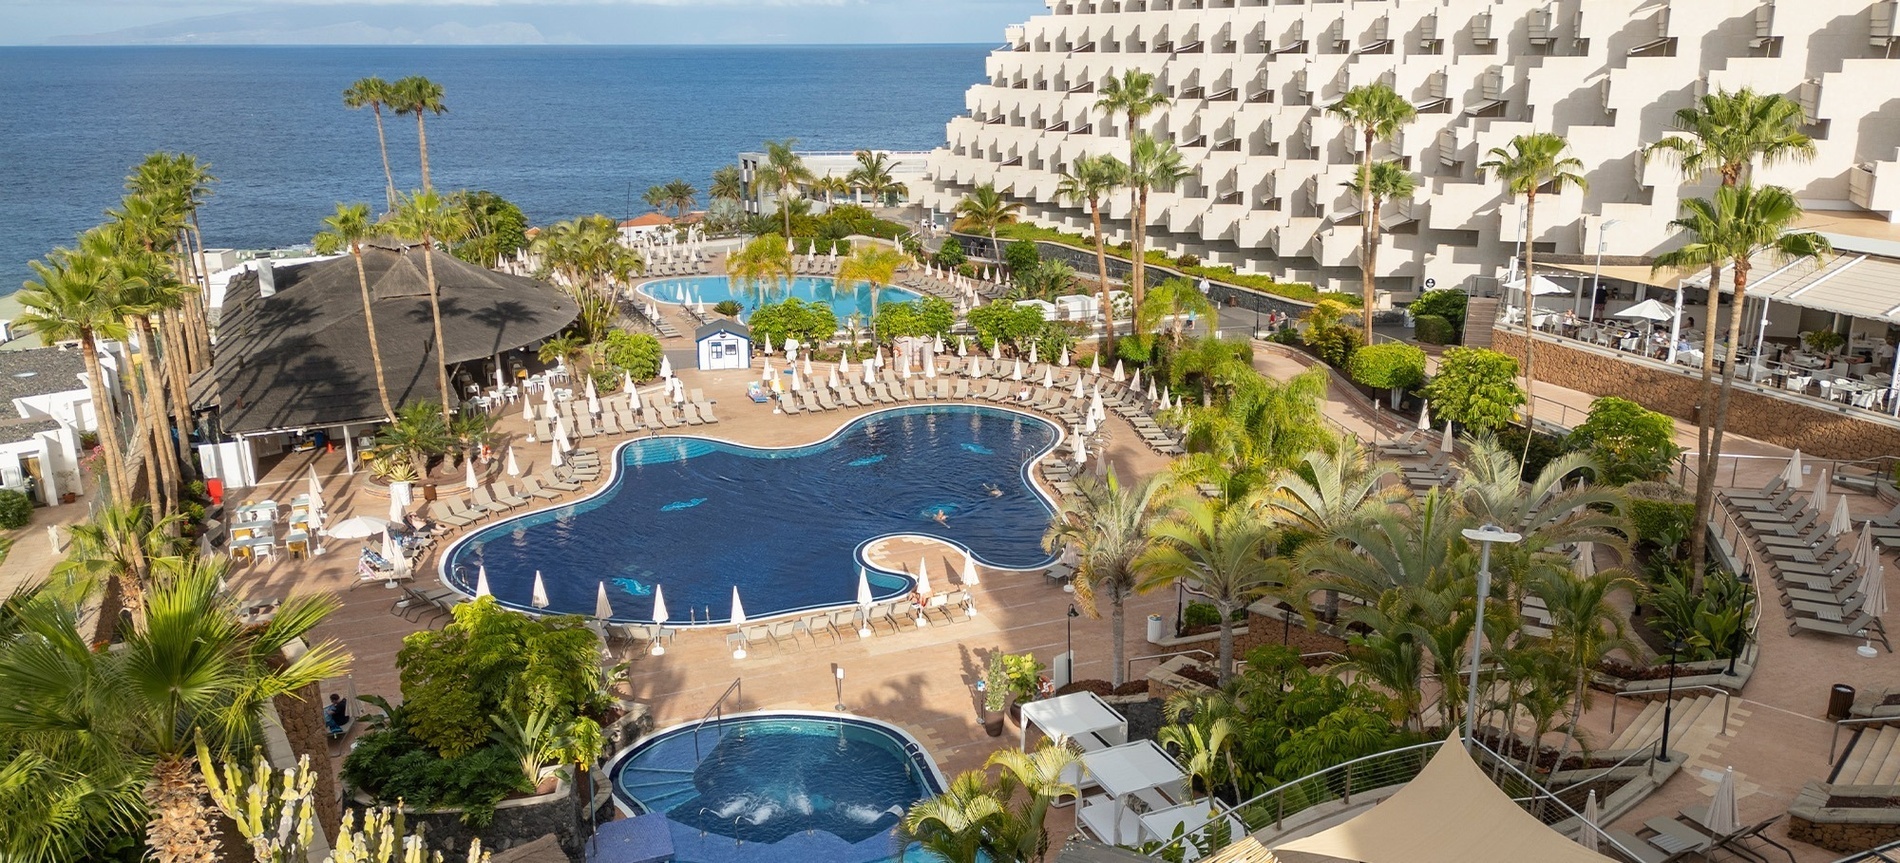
x: 846, y: 301
x: 781, y: 786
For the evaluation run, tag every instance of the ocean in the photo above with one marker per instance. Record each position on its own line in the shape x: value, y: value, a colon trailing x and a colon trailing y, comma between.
x: 561, y: 131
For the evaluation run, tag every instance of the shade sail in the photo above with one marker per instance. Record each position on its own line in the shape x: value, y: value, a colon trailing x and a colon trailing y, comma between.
x: 1449, y: 813
x: 1073, y: 715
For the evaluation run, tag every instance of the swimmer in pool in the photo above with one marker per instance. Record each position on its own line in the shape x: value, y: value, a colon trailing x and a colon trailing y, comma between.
x: 993, y: 490
x: 941, y: 517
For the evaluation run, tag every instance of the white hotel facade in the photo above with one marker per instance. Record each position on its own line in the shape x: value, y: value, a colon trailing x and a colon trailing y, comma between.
x: 1249, y: 81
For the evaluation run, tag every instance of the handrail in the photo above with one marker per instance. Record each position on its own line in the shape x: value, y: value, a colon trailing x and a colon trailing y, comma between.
x: 1874, y: 853
x: 1128, y: 667
x: 1603, y: 836
x: 1834, y: 743
x: 1645, y: 753
x: 715, y: 709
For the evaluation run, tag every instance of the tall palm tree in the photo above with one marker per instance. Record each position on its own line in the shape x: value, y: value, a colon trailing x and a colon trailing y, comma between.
x: 655, y: 197
x: 1726, y: 133
x: 1088, y: 180
x: 874, y: 265
x: 189, y: 670
x: 78, y: 296
x: 873, y: 176
x: 1039, y: 775
x: 1377, y: 112
x: 374, y: 93
x: 953, y: 826
x: 1741, y: 224
x: 1533, y: 163
x: 1585, y: 627
x: 1133, y: 97
x: 1376, y: 183
x: 727, y: 183
x: 117, y: 548
x: 349, y: 228
x: 1108, y: 523
x: 831, y: 186
x: 426, y: 218
x: 985, y: 210
x: 182, y: 183
x: 784, y: 170
x: 764, y: 260
x: 1220, y: 552
x: 150, y: 287
x: 419, y: 96
x: 1174, y: 301
x: 1154, y: 166
x: 680, y: 195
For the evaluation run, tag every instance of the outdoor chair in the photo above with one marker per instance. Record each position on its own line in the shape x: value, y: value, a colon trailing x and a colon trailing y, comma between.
x: 506, y: 497
x: 845, y: 397
x: 786, y: 405
x: 556, y: 484
x: 480, y: 497
x: 809, y: 402
x: 609, y: 423
x: 691, y: 413
x: 823, y: 396
x: 786, y: 631
x: 531, y: 486
x: 960, y: 389
x: 440, y: 512
x: 421, y: 602
x: 463, y: 509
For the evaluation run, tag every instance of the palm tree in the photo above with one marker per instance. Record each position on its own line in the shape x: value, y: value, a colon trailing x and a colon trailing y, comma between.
x: 189, y: 671
x: 150, y: 286
x: 1328, y: 491
x: 985, y: 210
x: 1585, y: 627
x: 419, y: 96
x: 763, y: 260
x: 426, y: 218
x: 1155, y: 166
x: 417, y: 433
x: 1377, y: 183
x: 78, y: 296
x: 1108, y: 524
x: 1039, y: 775
x: 348, y: 228
x: 1221, y: 553
x: 1206, y: 752
x: 874, y: 265
x: 1740, y: 225
x: 1088, y: 180
x: 182, y: 183
x: 785, y: 170
x: 1376, y: 111
x: 727, y: 183
x: 1133, y: 97
x: 1726, y: 132
x: 1533, y: 163
x: 1174, y: 300
x: 655, y: 197
x: 680, y: 195
x: 375, y: 93
x: 873, y: 176
x: 953, y: 826
x: 831, y: 186
x: 1262, y: 427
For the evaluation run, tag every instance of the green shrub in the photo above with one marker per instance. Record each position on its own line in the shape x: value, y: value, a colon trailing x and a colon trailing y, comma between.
x: 1188, y: 260
x: 1225, y: 274
x: 929, y: 316
x: 809, y: 323
x: 1003, y: 320
x: 16, y: 509
x: 1476, y: 388
x: 1198, y: 614
x: 392, y: 765
x: 1543, y: 448
x: 1135, y: 349
x: 1392, y: 365
x: 1020, y: 256
x: 950, y: 254
x: 1663, y: 523
x: 1323, y: 332
x: 1711, y: 622
x: 637, y: 354
x: 1433, y: 330
x: 1447, y: 304
x: 729, y: 308
x: 1629, y: 441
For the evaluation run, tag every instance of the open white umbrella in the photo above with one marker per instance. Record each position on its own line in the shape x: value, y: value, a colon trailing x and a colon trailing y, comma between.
x: 1425, y: 418
x: 1587, y: 837
x: 1540, y: 287
x: 1647, y: 310
x: 1842, y: 521
x: 864, y: 603
x: 1065, y: 357
x: 1724, y: 817
x: 1792, y: 474
x: 1119, y: 376
x: 602, y: 608
x: 540, y: 597
x: 481, y: 582
x: 468, y: 471
x: 359, y: 527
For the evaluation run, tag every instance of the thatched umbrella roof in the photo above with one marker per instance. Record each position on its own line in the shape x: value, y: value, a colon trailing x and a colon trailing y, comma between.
x: 300, y: 358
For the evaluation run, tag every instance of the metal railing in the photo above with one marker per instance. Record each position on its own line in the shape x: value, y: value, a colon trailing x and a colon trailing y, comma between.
x: 1834, y: 743
x: 1888, y: 853
x: 1128, y: 669
x: 1879, y: 466
x: 716, y: 711
x: 1383, y: 770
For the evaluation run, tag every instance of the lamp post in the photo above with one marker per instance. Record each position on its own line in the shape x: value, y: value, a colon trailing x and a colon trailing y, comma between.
x: 1669, y: 700
x: 1486, y: 537
x: 1596, y: 279
x: 837, y: 674
x: 1069, y: 625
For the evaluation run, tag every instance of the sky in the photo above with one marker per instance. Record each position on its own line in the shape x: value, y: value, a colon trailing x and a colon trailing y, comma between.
x: 511, y: 22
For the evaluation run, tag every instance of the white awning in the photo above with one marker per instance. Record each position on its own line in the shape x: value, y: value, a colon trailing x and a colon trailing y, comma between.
x: 1857, y: 285
x: 1068, y: 716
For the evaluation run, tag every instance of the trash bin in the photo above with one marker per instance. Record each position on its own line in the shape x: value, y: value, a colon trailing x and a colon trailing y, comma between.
x: 1155, y: 625
x: 1840, y: 700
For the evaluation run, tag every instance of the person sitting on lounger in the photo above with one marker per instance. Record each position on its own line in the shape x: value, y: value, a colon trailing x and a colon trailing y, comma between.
x: 1023, y: 394
x: 336, y: 716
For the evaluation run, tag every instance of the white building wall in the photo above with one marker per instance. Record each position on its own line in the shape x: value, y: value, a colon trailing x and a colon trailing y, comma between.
x: 1249, y: 81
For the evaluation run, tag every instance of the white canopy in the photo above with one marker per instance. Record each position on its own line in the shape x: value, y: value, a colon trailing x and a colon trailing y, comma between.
x: 1120, y: 771
x: 1648, y: 310
x: 1068, y: 716
x: 1540, y: 287
x: 1450, y: 813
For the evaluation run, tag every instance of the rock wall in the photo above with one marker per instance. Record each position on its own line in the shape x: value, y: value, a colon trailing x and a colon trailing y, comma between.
x: 518, y: 822
x: 1845, y: 837
x: 1817, y: 431
x: 1843, y: 829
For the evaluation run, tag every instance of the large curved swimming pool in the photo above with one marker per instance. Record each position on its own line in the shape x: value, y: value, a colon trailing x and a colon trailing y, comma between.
x: 778, y: 787
x: 700, y: 517
x: 855, y: 300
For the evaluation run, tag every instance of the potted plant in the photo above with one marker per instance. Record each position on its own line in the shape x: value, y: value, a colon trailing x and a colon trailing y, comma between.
x: 1824, y: 341
x: 1024, y: 675
x: 995, y: 688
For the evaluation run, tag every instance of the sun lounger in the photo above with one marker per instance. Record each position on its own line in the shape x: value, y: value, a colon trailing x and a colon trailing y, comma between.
x: 584, y: 425
x: 609, y: 423
x: 458, y: 507
x: 876, y: 390
x: 570, y: 475
x: 665, y: 415
x: 845, y: 397
x: 942, y: 389
x: 415, y: 601
x: 823, y: 396
x: 506, y: 497
x: 557, y: 484
x: 439, y: 511
x: 895, y: 390
x: 809, y: 401
x: 786, y: 405
x: 960, y: 389
x: 691, y: 412
x: 480, y: 497
x: 531, y: 487
x: 918, y: 390
x: 542, y: 431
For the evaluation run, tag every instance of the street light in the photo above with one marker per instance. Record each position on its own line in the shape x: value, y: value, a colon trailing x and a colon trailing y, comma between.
x: 1669, y: 699
x: 1070, y: 625
x: 1486, y: 537
x: 837, y: 673
x: 1596, y: 279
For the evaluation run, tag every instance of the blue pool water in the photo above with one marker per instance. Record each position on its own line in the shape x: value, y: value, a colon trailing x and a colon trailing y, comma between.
x: 852, y: 300
x: 698, y: 517
x: 778, y: 787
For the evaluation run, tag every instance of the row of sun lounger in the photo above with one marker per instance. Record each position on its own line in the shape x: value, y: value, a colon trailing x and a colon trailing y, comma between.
x: 636, y: 308
x: 678, y: 268
x: 806, y: 265
x: 1813, y: 568
x: 617, y: 416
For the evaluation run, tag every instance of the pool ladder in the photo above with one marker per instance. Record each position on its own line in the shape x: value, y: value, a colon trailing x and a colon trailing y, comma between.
x: 716, y: 711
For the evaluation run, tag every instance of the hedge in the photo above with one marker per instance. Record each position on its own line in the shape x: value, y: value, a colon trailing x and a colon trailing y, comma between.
x: 1265, y: 284
x: 1433, y: 330
x: 1389, y: 365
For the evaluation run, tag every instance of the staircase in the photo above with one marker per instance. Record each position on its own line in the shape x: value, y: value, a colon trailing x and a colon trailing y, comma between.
x: 658, y: 789
x: 1481, y: 314
x: 1646, y: 731
x: 1872, y: 759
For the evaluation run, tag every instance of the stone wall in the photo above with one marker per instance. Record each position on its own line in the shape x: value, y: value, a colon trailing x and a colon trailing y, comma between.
x: 301, y: 715
x: 1816, y: 431
x: 1843, y: 829
x: 517, y: 822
